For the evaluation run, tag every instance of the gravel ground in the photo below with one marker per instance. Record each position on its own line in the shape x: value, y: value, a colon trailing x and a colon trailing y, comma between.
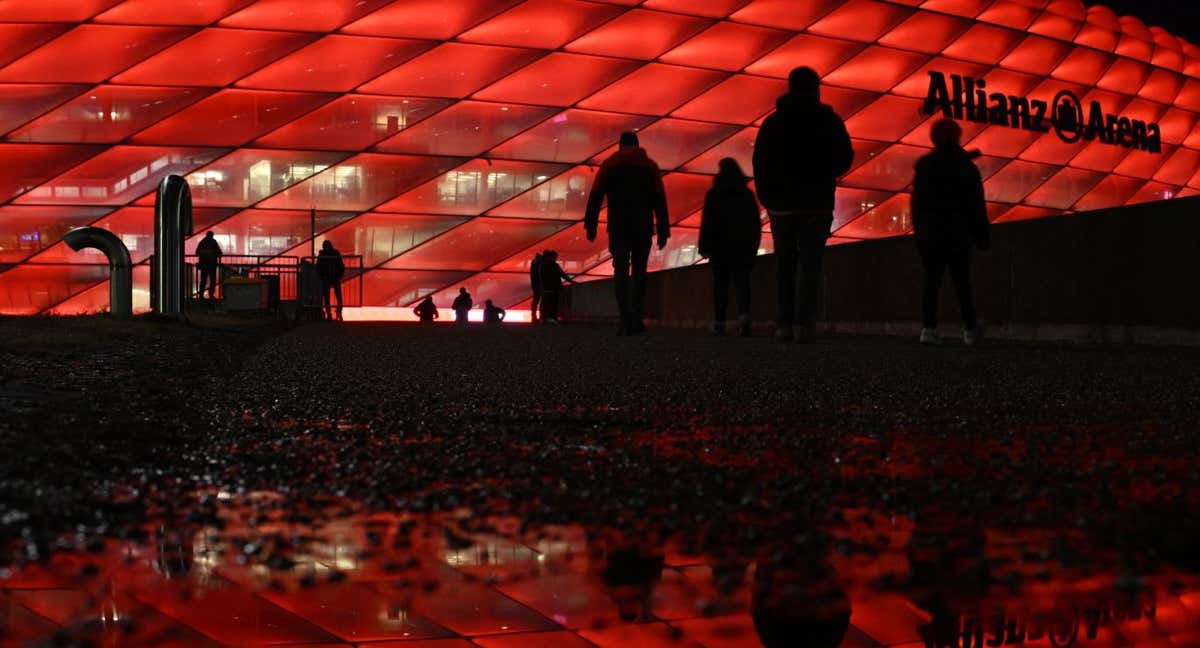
x: 724, y: 446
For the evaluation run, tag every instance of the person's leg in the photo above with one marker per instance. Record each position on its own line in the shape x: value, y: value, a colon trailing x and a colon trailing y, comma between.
x: 550, y: 306
x: 811, y: 243
x: 783, y: 231
x: 533, y: 309
x: 934, y: 266
x: 620, y: 261
x: 640, y: 258
x: 203, y: 279
x: 741, y: 288
x: 960, y: 273
x: 337, y: 293
x: 720, y: 274
x: 325, y: 302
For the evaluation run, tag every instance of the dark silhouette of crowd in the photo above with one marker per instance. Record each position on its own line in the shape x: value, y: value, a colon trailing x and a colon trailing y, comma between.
x: 801, y: 151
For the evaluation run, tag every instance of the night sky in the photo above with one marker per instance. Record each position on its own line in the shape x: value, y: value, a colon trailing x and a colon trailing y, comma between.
x: 1180, y: 17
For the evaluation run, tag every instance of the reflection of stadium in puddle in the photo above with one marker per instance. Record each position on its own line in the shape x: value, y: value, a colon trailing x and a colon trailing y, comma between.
x: 260, y: 573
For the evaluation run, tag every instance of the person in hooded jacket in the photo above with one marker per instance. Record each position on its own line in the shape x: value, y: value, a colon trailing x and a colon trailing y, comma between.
x: 551, y: 280
x: 730, y: 233
x: 462, y: 306
x: 427, y: 311
x: 801, y: 151
x: 331, y: 268
x: 208, y: 259
x: 637, y: 214
x: 949, y: 219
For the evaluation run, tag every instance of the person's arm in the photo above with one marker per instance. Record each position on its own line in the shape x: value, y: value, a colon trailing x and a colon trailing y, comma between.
x: 753, y: 213
x: 918, y: 202
x: 501, y: 313
x: 591, y: 218
x: 662, y: 217
x: 764, y: 146
x: 843, y: 149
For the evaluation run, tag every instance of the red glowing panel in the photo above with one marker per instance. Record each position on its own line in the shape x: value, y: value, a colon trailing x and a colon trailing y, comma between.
x: 558, y: 79
x: 467, y: 128
x: 1176, y: 125
x: 726, y: 46
x: 1143, y: 164
x: 71, y: 58
x: 96, y: 300
x: 1017, y: 180
x: 231, y: 117
x: 118, y: 175
x: 476, y: 245
x: 708, y: 8
x: 891, y: 218
x: 473, y: 188
x: 247, y: 176
x: 654, y: 89
x: 1113, y: 190
x: 683, y: 249
x: 1003, y: 141
x: 575, y: 253
x: 845, y: 102
x: 887, y: 119
x: 353, y: 122
x: 108, y: 114
x: 1099, y: 156
x: 1083, y: 66
x: 25, y: 231
x: 1136, y: 48
x: 1154, y: 191
x: 1064, y: 189
x: 739, y: 99
x: 1050, y: 149
x: 432, y: 19
x: 819, y: 53
x: 784, y: 14
x: 28, y: 165
x: 862, y: 20
x: 852, y: 203
x: 876, y: 69
x: 379, y: 237
x: 323, y: 16
x: 685, y: 193
x: 135, y: 226
x: 405, y: 287
x: 638, y: 34
x: 891, y: 170
x: 335, y: 63
x: 925, y: 32
x: 1022, y: 212
x: 1056, y: 26
x: 1162, y: 86
x: 21, y: 103
x: 17, y: 39
x: 921, y: 135
x: 1013, y: 15
x: 452, y: 70
x: 1189, y: 96
x: 671, y: 142
x: 740, y: 147
x: 1180, y: 168
x: 1036, y: 55
x: 266, y: 232
x: 570, y: 136
x: 1098, y: 38
x: 30, y: 289
x: 563, y: 197
x: 965, y: 8
x: 984, y: 44
x: 1167, y: 58
x: 56, y: 11
x: 360, y: 183
x: 214, y: 57
x: 544, y: 24
x: 170, y: 12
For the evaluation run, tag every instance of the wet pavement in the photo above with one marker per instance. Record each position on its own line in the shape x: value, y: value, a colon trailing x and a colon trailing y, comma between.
x: 369, y: 484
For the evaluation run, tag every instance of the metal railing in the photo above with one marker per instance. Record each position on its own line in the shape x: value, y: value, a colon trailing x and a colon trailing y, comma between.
x: 286, y: 270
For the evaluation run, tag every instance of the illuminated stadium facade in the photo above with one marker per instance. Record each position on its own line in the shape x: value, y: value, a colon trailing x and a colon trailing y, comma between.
x: 445, y: 141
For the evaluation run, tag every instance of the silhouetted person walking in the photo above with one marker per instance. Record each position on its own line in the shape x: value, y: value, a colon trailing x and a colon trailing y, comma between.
x: 949, y: 218
x: 801, y: 150
x: 492, y: 314
x: 637, y: 211
x: 551, y: 277
x: 730, y: 232
x: 208, y: 259
x: 331, y: 268
x: 462, y: 306
x: 535, y: 284
x: 426, y: 311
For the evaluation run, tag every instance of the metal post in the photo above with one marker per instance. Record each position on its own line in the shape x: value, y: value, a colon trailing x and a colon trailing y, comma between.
x: 172, y: 224
x: 120, y: 281
x: 312, y: 223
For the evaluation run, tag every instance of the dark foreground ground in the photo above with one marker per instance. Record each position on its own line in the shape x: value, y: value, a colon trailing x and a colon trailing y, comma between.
x: 959, y: 479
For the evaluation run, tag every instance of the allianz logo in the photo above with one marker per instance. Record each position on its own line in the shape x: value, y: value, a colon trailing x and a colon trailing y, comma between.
x: 967, y: 98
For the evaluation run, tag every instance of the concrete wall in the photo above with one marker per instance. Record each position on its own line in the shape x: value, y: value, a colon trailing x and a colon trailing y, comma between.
x: 1123, y: 275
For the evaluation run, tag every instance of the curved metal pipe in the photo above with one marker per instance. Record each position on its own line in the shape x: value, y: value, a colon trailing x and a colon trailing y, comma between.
x: 172, y: 224
x: 120, y: 283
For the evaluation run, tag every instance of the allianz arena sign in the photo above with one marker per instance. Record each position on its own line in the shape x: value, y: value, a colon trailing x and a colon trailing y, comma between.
x: 967, y: 98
